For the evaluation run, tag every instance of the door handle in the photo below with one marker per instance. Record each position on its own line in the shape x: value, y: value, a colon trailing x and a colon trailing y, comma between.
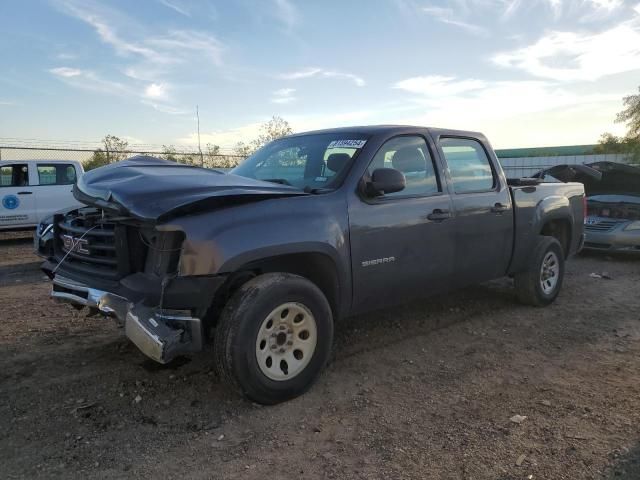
x: 439, y: 215
x: 499, y: 208
x: 25, y: 193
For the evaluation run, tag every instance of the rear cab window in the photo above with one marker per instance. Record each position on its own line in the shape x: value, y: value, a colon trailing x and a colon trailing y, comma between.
x: 56, y: 174
x: 469, y: 165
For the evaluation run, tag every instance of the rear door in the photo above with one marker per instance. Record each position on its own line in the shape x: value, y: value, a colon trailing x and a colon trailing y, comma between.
x: 483, y: 211
x: 55, y: 190
x: 402, y: 243
x: 17, y: 198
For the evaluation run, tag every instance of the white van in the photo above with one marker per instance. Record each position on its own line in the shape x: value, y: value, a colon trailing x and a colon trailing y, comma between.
x: 31, y: 190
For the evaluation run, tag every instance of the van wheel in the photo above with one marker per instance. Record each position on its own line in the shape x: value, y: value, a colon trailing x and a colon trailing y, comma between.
x: 540, y: 284
x: 274, y: 337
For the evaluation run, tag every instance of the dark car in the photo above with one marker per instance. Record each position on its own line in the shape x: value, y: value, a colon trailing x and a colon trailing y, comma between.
x: 310, y: 229
x: 613, y: 203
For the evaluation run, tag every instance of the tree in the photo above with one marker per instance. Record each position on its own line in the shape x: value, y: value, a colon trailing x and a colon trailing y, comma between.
x: 212, y: 150
x: 629, y: 146
x: 114, y: 150
x: 630, y: 143
x: 242, y: 149
x: 631, y: 115
x: 275, y: 128
x: 169, y: 153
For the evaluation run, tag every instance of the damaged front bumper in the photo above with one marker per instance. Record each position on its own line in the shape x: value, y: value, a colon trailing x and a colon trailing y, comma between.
x: 160, y: 334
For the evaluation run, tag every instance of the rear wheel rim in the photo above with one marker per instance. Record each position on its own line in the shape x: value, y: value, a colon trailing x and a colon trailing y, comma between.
x: 286, y: 341
x: 549, y: 273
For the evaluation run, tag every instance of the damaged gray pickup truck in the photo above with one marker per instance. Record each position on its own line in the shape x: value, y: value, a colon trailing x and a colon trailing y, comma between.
x: 311, y: 228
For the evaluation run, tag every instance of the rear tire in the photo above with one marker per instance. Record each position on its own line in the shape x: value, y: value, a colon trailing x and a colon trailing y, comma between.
x: 541, y: 282
x: 274, y: 337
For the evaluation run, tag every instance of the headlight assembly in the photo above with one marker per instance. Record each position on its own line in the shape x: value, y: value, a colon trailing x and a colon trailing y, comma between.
x: 633, y: 225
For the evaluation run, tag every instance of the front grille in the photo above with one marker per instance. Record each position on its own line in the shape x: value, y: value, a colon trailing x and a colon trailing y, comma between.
x: 601, y: 225
x: 88, y: 244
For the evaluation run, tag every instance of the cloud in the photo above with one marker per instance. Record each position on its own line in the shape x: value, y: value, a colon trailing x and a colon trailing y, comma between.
x: 225, y: 138
x: 156, y: 91
x: 437, y: 85
x: 176, y: 7
x: 283, y: 95
x: 66, y: 72
x: 448, y: 16
x: 151, y: 57
x: 89, y: 80
x: 154, y: 95
x: 178, y: 43
x: 481, y: 98
x: 165, y: 108
x: 171, y: 48
x: 607, y: 4
x: 286, y: 13
x: 6, y: 103
x: 459, y: 12
x: 570, y: 56
x: 513, y: 113
x: 66, y: 56
x: 320, y: 72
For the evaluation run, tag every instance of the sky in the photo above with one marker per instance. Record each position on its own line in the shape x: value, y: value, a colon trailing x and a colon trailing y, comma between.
x: 524, y: 72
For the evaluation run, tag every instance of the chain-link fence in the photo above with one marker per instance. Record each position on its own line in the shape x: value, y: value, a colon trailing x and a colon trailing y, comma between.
x: 513, y: 166
x: 208, y: 160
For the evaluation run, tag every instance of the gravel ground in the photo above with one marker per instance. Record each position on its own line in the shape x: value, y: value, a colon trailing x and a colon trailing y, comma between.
x: 428, y: 390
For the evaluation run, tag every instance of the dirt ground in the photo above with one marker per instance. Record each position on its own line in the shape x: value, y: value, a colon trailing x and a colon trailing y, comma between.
x: 423, y: 391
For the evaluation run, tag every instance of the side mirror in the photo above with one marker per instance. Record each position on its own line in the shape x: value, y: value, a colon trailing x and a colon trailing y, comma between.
x: 385, y: 180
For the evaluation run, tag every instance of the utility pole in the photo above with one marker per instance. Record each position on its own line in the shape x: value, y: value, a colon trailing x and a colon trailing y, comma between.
x: 199, y: 148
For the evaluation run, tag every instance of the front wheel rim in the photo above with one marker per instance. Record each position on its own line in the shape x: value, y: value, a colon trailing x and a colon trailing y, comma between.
x: 549, y: 273
x: 286, y: 341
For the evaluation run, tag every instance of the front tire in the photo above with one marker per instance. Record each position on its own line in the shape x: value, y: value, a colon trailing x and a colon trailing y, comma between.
x: 274, y: 337
x: 540, y: 284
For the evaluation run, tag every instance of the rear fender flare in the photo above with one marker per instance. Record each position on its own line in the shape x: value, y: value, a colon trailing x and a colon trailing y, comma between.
x: 555, y: 207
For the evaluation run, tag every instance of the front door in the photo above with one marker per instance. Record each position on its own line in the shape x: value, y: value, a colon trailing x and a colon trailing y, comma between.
x: 402, y: 244
x: 17, y: 196
x: 55, y: 190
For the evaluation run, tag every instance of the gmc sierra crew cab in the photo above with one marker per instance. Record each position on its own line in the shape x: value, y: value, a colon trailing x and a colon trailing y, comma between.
x: 311, y: 228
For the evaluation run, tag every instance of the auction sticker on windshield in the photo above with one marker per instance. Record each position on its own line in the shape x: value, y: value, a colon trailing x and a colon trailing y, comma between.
x: 347, y: 144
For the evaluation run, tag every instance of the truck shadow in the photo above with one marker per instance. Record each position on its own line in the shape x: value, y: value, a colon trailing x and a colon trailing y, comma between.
x: 627, y: 466
x: 616, y: 257
x: 420, y: 317
x: 21, y: 274
x: 20, y: 238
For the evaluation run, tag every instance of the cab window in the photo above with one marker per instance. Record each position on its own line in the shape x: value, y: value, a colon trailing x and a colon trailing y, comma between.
x: 411, y: 156
x: 16, y: 175
x: 469, y: 165
x: 56, y: 174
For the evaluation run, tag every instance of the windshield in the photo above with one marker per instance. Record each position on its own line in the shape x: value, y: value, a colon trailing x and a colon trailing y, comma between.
x: 308, y: 161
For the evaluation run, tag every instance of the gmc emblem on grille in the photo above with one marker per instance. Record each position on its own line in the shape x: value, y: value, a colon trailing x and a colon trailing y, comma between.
x: 78, y: 245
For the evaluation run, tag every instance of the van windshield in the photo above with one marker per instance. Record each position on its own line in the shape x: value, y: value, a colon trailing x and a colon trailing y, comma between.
x: 309, y: 162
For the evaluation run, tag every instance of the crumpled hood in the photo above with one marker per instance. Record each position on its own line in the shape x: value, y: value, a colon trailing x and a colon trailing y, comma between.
x: 153, y: 189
